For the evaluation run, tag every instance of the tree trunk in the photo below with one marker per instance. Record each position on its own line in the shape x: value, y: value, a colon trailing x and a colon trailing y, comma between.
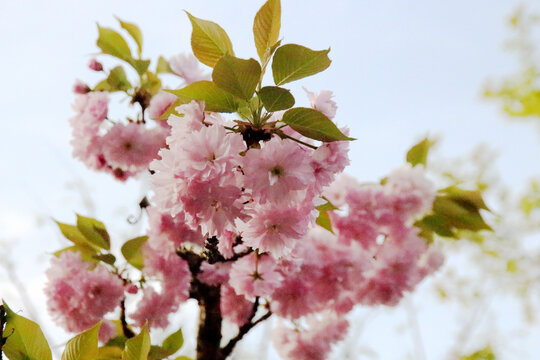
x: 209, y: 336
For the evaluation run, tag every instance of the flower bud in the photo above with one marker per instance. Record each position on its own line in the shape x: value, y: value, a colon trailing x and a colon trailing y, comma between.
x: 80, y: 88
x: 95, y: 65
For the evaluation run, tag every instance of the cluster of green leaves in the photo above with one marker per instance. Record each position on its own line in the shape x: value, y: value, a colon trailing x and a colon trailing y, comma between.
x: 24, y: 340
x: 454, y: 209
x: 113, y: 43
x: 484, y: 354
x: 236, y: 85
x: 92, y: 241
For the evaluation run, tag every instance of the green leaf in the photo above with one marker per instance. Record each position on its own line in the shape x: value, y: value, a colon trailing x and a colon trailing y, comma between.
x: 132, y: 251
x: 215, y: 98
x: 183, y: 358
x: 135, y: 33
x: 112, y: 43
x: 313, y: 124
x: 275, y: 98
x: 117, y: 80
x: 459, y: 215
x: 83, y: 346
x: 237, y: 76
x: 138, y: 347
x: 151, y: 83
x: 468, y: 198
x: 292, y: 62
x: 266, y: 27
x: 25, y: 340
x: 109, y: 353
x: 157, y: 353
x: 94, y: 231
x: 139, y: 65
x: 163, y: 66
x: 106, y: 258
x: 87, y: 253
x: 103, y: 85
x: 419, y: 152
x: 484, y: 354
x: 73, y: 234
x: 323, y: 220
x: 209, y: 41
x: 173, y: 342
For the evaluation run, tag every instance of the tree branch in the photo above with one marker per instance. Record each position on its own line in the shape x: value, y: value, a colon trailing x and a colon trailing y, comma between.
x: 125, y: 328
x: 244, y: 329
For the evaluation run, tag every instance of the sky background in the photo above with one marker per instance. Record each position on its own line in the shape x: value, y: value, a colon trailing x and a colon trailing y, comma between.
x: 400, y: 70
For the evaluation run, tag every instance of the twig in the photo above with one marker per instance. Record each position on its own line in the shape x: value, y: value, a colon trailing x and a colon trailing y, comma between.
x: 244, y: 329
x: 299, y: 141
x: 125, y: 328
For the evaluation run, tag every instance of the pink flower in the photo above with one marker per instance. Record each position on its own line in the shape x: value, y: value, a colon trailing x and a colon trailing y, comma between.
x: 313, y: 343
x: 107, y: 331
x: 210, y: 152
x: 226, y: 244
x: 414, y: 190
x: 328, y: 160
x: 274, y: 228
x: 91, y: 109
x: 132, y: 147
x: 215, y: 274
x: 235, y: 308
x: 159, y: 104
x: 187, y: 67
x: 323, y: 102
x: 277, y: 169
x: 254, y: 275
x: 154, y: 308
x: 95, y: 65
x: 78, y: 296
x: 174, y: 230
x: 338, y: 189
x: 80, y: 88
x: 212, y: 206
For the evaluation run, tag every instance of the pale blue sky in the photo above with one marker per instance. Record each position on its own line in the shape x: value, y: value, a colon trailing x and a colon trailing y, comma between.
x: 400, y: 70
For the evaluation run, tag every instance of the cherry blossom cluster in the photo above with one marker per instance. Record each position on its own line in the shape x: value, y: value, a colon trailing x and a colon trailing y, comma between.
x: 123, y: 148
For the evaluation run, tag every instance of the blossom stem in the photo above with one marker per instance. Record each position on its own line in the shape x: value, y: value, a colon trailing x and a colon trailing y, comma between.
x: 299, y: 141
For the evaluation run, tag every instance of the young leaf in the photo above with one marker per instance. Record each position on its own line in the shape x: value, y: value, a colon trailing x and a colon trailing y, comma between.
x: 109, y: 353
x: 173, y: 342
x: 103, y: 85
x: 117, y: 80
x: 94, y: 231
x: 215, y: 98
x: 25, y: 340
x: 83, y: 346
x: 469, y: 198
x: 139, y: 65
x: 112, y: 43
x: 163, y: 66
x: 323, y: 220
x: 87, y: 253
x: 135, y: 33
x: 151, y: 83
x: 275, y: 98
x: 237, y: 76
x: 73, y: 234
x: 209, y: 41
x: 419, y: 152
x: 292, y: 62
x: 132, y: 251
x: 138, y: 347
x: 106, y: 258
x: 266, y: 27
x: 313, y: 124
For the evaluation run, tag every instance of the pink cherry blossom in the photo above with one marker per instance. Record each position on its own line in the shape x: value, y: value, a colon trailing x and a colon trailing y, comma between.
x: 274, y: 228
x: 159, y: 104
x: 235, y: 308
x: 277, y: 169
x: 131, y: 146
x: 187, y: 67
x: 79, y: 296
x: 254, y: 275
x: 323, y: 102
